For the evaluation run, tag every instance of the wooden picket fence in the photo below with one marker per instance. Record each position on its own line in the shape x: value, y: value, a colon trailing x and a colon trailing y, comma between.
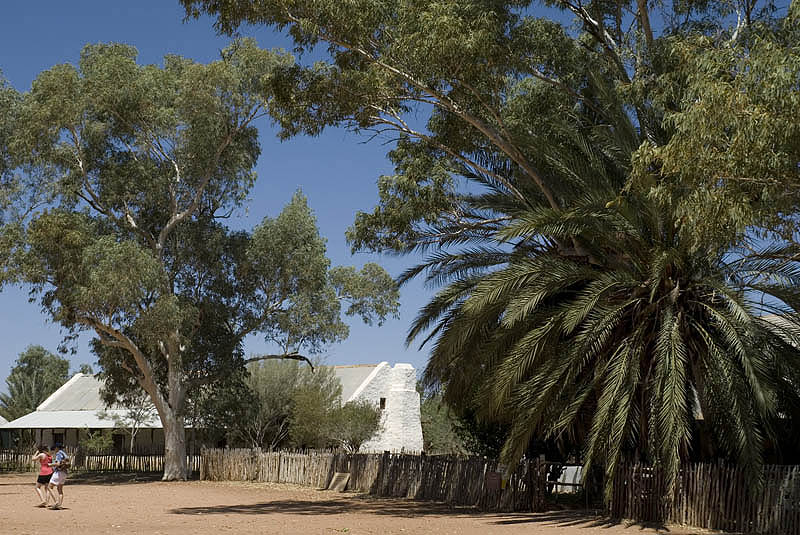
x: 712, y: 496
x: 12, y: 460
x: 471, y: 481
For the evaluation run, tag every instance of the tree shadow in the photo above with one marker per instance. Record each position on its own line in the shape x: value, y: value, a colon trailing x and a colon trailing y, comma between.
x: 366, y: 504
x: 579, y: 519
x: 334, y: 506
x: 113, y: 478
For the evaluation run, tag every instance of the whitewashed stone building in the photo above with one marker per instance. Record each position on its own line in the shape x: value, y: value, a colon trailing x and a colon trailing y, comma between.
x: 394, y: 390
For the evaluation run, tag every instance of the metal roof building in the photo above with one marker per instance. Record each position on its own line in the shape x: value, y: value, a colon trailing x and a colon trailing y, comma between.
x: 76, y: 405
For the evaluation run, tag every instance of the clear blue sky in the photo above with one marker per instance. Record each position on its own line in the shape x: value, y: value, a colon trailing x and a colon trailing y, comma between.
x: 337, y: 171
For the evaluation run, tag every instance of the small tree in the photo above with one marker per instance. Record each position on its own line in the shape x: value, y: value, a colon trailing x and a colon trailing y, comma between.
x: 99, y: 441
x: 273, y: 389
x: 439, y: 426
x: 312, y: 417
x: 354, y: 423
x: 139, y: 411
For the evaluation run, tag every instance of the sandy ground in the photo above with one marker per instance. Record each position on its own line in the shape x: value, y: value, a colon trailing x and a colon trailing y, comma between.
x: 127, y: 504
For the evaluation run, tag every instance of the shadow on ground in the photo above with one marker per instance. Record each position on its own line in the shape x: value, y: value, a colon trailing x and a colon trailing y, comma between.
x: 410, y: 509
x: 401, y: 508
x: 343, y: 504
x: 575, y: 518
x: 113, y: 478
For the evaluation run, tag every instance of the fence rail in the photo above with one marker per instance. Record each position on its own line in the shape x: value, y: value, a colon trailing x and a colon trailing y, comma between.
x: 712, y: 496
x: 13, y: 460
x: 454, y: 480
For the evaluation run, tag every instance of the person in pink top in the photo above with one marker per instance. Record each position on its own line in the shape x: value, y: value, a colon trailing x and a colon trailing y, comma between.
x: 45, y: 472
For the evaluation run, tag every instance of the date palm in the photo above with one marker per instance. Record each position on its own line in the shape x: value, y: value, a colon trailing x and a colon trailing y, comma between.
x: 620, y: 348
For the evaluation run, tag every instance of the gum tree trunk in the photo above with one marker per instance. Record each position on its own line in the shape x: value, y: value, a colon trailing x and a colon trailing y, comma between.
x: 173, y: 422
x: 175, y: 468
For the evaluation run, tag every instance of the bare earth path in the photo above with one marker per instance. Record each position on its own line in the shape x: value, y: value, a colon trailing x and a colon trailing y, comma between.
x: 124, y: 505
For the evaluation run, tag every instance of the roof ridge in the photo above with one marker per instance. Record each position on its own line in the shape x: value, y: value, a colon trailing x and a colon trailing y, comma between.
x: 59, y: 391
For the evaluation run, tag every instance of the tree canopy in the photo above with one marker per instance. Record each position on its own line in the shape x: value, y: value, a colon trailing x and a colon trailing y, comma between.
x: 36, y: 374
x: 493, y: 80
x: 593, y: 199
x: 124, y: 175
x: 273, y: 389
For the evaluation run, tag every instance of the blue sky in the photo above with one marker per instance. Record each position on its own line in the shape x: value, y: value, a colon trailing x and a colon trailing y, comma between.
x: 337, y: 171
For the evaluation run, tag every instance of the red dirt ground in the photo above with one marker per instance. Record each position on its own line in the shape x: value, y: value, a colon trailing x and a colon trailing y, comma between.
x: 123, y: 505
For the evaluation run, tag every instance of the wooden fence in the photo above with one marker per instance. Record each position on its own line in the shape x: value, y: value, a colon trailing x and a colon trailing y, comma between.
x: 712, y: 496
x: 454, y: 480
x: 11, y: 460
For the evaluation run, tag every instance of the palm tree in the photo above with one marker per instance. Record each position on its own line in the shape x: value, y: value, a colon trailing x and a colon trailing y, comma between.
x: 36, y: 374
x: 619, y: 348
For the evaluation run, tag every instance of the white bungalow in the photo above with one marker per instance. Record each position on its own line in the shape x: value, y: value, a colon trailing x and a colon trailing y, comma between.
x: 76, y: 407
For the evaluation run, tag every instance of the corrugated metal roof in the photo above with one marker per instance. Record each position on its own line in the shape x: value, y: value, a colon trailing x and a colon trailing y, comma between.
x: 80, y: 393
x: 76, y: 404
x: 352, y: 377
x: 72, y: 420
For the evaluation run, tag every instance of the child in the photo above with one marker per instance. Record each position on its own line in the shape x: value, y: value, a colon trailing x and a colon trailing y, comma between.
x: 60, y: 464
x: 45, y: 471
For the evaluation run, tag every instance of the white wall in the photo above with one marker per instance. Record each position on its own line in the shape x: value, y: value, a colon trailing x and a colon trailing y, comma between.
x: 145, y: 438
x: 402, y: 429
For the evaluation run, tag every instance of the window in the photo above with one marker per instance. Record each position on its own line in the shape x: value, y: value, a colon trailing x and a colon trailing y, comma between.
x: 383, y: 403
x: 58, y: 438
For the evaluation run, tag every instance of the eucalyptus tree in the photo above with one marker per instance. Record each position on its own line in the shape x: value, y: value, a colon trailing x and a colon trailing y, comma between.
x: 596, y: 281
x: 462, y: 83
x: 125, y: 175
x: 8, y: 100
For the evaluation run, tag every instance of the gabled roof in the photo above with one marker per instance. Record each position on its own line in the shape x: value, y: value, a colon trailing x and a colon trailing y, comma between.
x: 80, y: 393
x: 3, y: 420
x: 76, y: 404
x: 73, y: 420
x: 353, y: 377
x: 78, y: 401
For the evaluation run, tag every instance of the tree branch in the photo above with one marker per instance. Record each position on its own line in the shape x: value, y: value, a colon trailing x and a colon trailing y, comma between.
x: 294, y: 355
x: 445, y: 102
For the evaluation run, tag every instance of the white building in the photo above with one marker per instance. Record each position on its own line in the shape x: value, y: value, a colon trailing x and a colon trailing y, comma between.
x: 394, y: 390
x: 77, y: 407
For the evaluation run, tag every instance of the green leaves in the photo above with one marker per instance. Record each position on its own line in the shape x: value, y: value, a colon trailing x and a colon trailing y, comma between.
x: 610, y: 354
x: 354, y: 423
x: 293, y: 294
x: 731, y: 112
x: 371, y: 293
x: 123, y: 173
x: 36, y: 374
